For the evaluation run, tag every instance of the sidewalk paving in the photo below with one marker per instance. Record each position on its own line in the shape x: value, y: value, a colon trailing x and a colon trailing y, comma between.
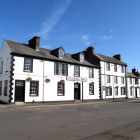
x: 67, y: 103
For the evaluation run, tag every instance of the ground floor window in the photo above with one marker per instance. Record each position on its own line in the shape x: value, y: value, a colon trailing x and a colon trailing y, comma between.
x: 34, y: 88
x: 108, y: 91
x: 60, y: 88
x: 5, y: 87
x: 116, y: 91
x: 91, y: 88
x: 131, y: 91
x: 122, y: 90
x: 0, y: 87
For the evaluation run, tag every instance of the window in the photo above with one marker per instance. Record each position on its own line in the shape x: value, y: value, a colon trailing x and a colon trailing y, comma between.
x: 91, y: 88
x: 81, y: 57
x: 60, y: 88
x: 108, y: 66
x: 136, y: 81
x: 122, y: 90
x: 108, y: 91
x: 0, y: 87
x: 60, y: 69
x: 34, y: 88
x: 122, y: 80
x: 1, y: 66
x: 116, y: 80
x: 7, y: 64
x: 91, y: 73
x: 77, y: 71
x: 28, y: 65
x: 130, y: 80
x: 122, y: 69
x: 5, y: 87
x: 108, y: 79
x: 131, y: 91
x: 115, y: 68
x: 61, y: 53
x: 116, y: 91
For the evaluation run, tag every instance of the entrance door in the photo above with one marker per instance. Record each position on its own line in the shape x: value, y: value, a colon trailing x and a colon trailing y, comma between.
x: 19, y: 90
x: 76, y: 91
x: 136, y: 92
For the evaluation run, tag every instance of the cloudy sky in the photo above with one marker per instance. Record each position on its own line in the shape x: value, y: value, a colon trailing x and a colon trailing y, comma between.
x: 112, y: 26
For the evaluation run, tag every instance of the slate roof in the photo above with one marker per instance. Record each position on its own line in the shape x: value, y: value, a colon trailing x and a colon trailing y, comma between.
x: 129, y: 74
x: 43, y: 53
x: 109, y: 59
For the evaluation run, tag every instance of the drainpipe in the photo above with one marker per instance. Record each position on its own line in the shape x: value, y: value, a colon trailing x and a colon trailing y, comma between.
x: 82, y: 92
x: 43, y: 83
x: 126, y: 82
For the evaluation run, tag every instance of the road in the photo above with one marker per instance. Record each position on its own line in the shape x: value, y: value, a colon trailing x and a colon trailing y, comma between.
x: 104, y: 121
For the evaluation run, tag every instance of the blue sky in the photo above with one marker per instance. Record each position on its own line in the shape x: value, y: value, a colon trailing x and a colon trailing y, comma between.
x: 113, y: 26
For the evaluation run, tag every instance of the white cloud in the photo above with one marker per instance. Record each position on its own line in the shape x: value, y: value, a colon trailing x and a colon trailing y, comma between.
x: 85, y: 37
x: 106, y: 37
x: 54, y: 18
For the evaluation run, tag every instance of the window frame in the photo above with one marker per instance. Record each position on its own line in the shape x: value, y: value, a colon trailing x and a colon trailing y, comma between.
x: 0, y: 87
x: 116, y: 79
x: 29, y: 65
x: 1, y: 66
x: 117, y: 91
x: 122, y: 69
x: 115, y: 68
x: 91, y: 88
x: 122, y: 80
x: 108, y: 79
x: 62, y: 84
x: 37, y: 89
x: 109, y: 91
x: 107, y: 66
x: 76, y: 71
x: 123, y: 91
x: 91, y: 72
x: 5, y: 87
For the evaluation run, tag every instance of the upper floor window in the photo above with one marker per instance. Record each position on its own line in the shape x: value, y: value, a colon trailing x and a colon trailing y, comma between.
x: 0, y: 87
x: 34, y: 88
x: 91, y: 88
x: 108, y: 66
x: 122, y: 69
x: 131, y: 91
x: 115, y: 67
x: 5, y: 87
x: 61, y: 53
x: 1, y: 66
x: 108, y: 79
x: 77, y: 71
x: 60, y: 69
x: 116, y: 79
x: 60, y: 88
x: 91, y: 73
x: 81, y: 57
x: 122, y: 80
x: 131, y: 80
x: 28, y: 65
x: 136, y: 81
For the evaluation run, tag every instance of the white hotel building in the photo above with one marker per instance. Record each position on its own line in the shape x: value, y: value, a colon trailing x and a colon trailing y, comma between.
x: 29, y: 73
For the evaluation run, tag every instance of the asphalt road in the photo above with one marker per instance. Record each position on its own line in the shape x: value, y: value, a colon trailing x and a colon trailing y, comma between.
x: 105, y: 121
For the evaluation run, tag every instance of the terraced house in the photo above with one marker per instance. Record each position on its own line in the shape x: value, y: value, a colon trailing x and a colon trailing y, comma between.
x: 133, y: 82
x: 113, y: 78
x: 29, y: 73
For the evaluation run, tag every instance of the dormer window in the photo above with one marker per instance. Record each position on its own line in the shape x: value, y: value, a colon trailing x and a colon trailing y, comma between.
x: 61, y: 53
x: 81, y: 57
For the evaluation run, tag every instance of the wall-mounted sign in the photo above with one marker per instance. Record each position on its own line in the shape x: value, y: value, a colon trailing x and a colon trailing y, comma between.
x: 29, y: 79
x: 69, y: 78
x: 84, y: 79
x: 47, y: 80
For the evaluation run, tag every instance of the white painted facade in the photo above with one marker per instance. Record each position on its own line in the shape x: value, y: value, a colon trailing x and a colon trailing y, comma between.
x: 113, y: 84
x: 133, y: 87
x: 42, y: 71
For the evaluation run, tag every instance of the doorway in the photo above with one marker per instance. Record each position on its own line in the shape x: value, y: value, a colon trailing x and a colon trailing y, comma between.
x: 19, y: 91
x: 77, y: 91
x: 136, y: 92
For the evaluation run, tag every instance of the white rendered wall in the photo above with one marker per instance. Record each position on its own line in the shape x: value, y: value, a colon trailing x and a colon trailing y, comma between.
x: 104, y: 83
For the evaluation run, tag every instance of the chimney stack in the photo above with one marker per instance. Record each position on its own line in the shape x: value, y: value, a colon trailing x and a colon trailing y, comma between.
x: 117, y: 56
x: 34, y: 43
x: 90, y: 50
x: 134, y: 71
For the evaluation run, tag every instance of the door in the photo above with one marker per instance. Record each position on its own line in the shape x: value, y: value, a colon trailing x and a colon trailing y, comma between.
x: 77, y: 91
x: 19, y: 90
x: 136, y: 92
